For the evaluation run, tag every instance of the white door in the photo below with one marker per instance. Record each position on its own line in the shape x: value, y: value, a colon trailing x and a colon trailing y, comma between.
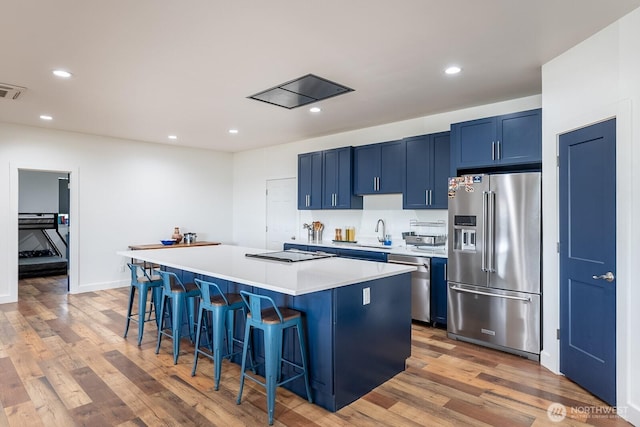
x: 282, y: 212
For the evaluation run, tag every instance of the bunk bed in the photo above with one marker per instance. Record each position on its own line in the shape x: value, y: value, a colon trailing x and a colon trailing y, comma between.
x: 49, y: 261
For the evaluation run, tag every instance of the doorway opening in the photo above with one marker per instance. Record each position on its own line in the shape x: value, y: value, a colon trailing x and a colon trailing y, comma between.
x: 281, y: 212
x: 43, y: 231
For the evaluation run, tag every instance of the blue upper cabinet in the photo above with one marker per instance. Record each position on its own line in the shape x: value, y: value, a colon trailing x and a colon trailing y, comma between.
x: 310, y: 180
x: 507, y: 140
x: 427, y: 172
x: 379, y: 168
x: 337, y: 180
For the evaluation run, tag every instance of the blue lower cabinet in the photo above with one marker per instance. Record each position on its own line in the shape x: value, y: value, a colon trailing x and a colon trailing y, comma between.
x: 372, y: 341
x: 439, y: 292
x: 363, y: 255
x: 288, y: 246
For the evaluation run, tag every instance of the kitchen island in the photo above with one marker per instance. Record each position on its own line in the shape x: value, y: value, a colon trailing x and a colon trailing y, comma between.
x: 358, y: 313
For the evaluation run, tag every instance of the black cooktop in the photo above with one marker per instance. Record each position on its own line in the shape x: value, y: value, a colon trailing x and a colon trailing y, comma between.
x: 291, y: 255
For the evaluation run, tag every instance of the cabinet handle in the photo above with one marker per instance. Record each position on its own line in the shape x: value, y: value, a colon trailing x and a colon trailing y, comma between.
x: 430, y: 197
x: 493, y: 150
x: 378, y: 187
x: 498, y: 150
x: 445, y: 272
x: 426, y: 197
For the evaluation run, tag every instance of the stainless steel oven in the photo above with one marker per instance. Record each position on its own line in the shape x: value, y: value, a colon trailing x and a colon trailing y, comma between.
x: 420, y: 284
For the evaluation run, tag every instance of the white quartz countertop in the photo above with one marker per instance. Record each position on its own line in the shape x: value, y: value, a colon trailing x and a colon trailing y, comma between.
x: 395, y: 248
x: 296, y: 278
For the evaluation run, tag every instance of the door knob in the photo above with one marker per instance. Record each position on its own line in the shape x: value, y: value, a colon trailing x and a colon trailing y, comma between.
x: 608, y: 276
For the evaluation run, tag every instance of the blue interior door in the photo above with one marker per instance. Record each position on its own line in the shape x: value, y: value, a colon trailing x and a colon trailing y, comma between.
x: 588, y: 258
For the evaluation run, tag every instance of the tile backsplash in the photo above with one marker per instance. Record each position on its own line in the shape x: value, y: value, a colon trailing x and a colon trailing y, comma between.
x: 387, y: 207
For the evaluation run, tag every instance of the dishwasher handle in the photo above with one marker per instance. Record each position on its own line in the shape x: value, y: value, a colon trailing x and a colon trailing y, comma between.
x: 415, y: 264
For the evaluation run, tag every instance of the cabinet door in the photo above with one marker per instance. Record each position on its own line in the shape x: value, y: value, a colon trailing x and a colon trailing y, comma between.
x: 418, y: 176
x: 392, y: 166
x: 329, y: 178
x: 366, y: 168
x: 441, y: 168
x: 520, y: 138
x: 474, y: 143
x: 427, y: 172
x: 310, y: 180
x: 439, y: 291
x: 337, y: 180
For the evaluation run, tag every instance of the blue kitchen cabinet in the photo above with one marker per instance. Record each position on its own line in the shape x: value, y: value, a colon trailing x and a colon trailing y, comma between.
x: 378, y: 168
x: 363, y: 255
x: 508, y: 140
x: 337, y: 167
x: 310, y: 181
x: 427, y: 171
x: 438, y: 300
x: 287, y: 246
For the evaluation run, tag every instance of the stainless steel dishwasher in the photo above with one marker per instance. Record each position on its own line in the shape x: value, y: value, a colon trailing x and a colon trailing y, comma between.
x: 420, y: 284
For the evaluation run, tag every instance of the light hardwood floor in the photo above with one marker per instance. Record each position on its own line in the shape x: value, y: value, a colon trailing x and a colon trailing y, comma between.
x: 63, y: 362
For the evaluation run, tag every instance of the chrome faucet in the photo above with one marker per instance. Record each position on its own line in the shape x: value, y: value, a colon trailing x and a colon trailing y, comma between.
x: 384, y: 233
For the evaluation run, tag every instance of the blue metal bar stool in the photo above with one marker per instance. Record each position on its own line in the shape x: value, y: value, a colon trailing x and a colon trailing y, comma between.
x: 182, y: 296
x: 143, y: 282
x: 223, y: 308
x: 273, y: 321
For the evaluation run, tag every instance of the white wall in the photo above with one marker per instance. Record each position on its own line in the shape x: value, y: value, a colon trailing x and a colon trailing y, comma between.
x: 253, y: 168
x: 596, y: 80
x: 122, y: 192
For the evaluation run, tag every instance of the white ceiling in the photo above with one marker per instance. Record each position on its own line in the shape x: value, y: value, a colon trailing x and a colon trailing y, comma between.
x: 145, y: 69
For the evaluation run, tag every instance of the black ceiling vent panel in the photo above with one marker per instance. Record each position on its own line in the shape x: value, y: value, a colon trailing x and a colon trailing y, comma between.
x: 301, y: 91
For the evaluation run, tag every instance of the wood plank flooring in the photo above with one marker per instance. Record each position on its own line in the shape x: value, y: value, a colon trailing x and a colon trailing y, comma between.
x: 63, y: 362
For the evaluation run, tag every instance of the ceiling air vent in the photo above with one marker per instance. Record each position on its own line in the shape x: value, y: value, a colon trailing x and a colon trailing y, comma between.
x: 8, y: 91
x: 301, y: 91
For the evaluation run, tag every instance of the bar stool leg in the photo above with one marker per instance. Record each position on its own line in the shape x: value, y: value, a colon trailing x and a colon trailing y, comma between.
x: 303, y: 356
x: 273, y: 353
x: 176, y: 323
x: 198, y: 330
x: 163, y: 303
x: 157, y: 298
x: 132, y: 292
x: 142, y: 309
x: 245, y: 346
x: 218, y: 317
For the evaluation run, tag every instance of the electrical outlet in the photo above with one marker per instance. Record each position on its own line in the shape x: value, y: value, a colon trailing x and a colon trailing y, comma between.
x: 366, y: 296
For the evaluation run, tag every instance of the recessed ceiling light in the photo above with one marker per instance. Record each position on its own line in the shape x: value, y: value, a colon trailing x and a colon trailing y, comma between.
x: 315, y: 109
x: 453, y: 70
x: 233, y: 131
x: 62, y: 73
x: 172, y: 137
x: 46, y: 117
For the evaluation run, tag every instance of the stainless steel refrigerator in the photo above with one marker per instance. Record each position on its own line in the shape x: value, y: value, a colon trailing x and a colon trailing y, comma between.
x: 494, y: 286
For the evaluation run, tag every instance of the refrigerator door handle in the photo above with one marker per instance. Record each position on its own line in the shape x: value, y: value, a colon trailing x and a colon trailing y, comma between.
x: 455, y: 288
x: 490, y: 238
x: 483, y: 249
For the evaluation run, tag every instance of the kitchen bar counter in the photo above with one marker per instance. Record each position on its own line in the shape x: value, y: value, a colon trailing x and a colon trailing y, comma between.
x: 297, y: 278
x: 175, y: 246
x: 357, y: 313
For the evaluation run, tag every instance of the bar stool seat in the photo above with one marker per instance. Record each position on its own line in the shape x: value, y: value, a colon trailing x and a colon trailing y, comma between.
x: 182, y: 297
x: 223, y: 308
x: 273, y: 321
x: 143, y: 282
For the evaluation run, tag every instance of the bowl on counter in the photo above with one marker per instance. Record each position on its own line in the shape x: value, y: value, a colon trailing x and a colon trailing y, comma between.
x: 168, y: 242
